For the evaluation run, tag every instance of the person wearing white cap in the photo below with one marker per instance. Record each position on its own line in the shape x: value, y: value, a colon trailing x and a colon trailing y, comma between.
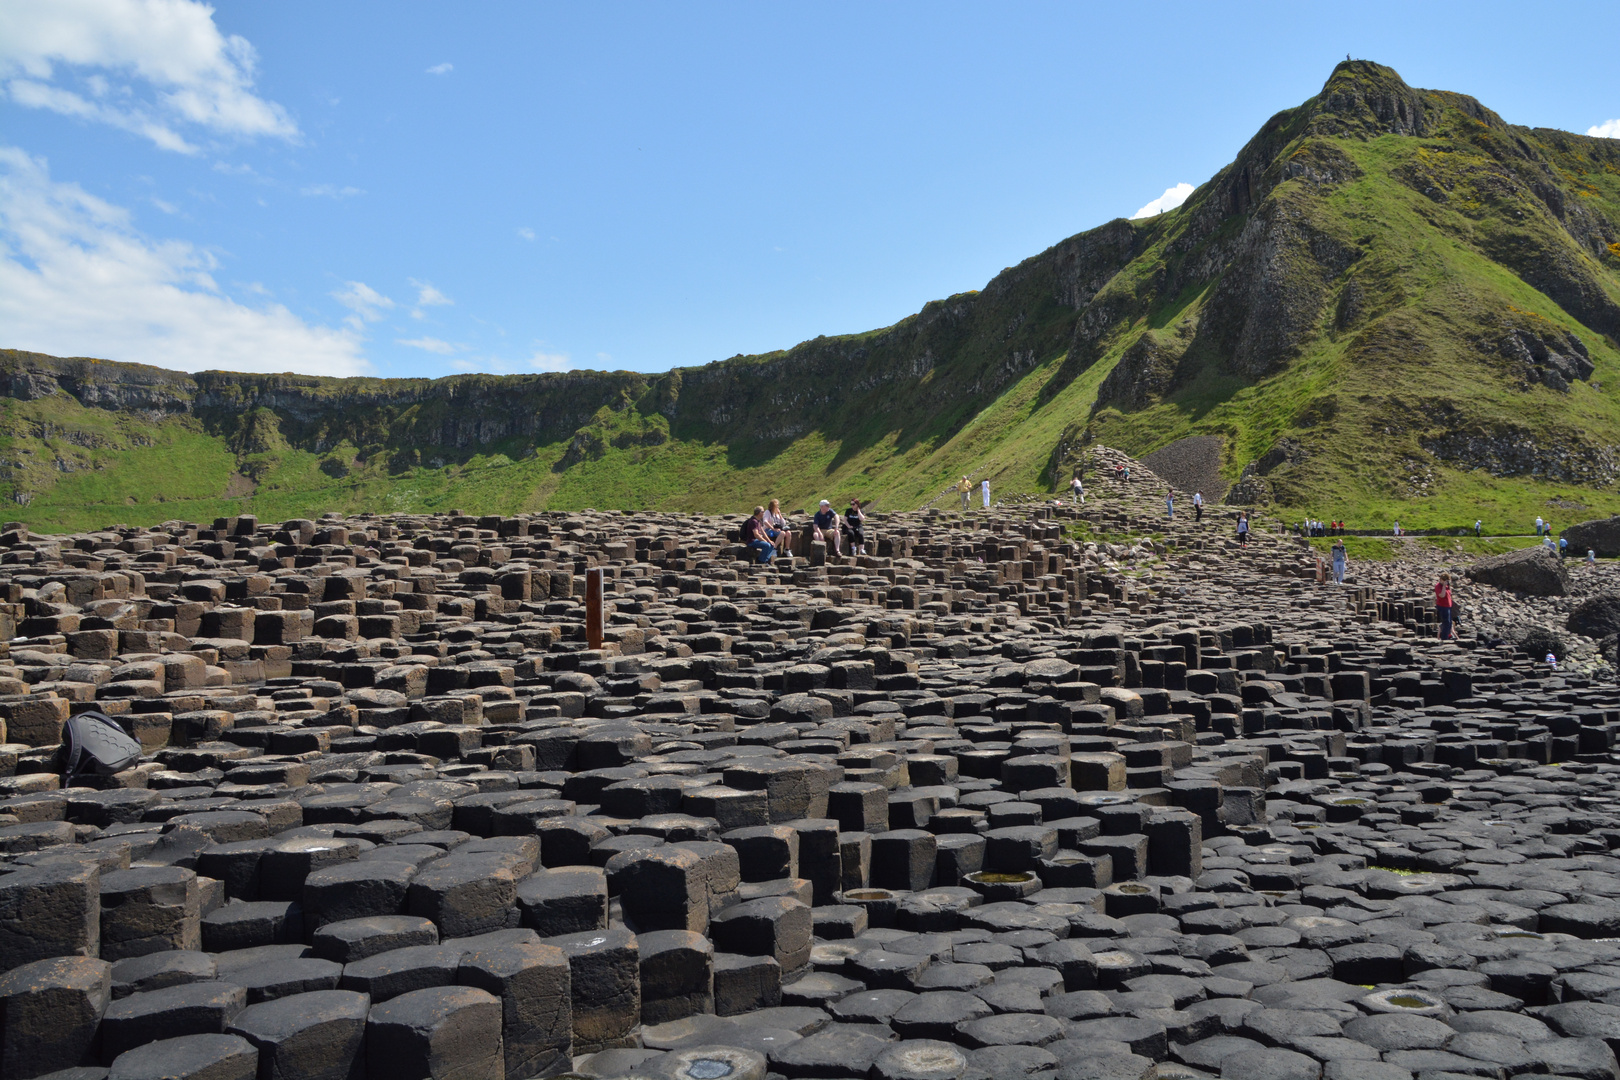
x: 824, y: 527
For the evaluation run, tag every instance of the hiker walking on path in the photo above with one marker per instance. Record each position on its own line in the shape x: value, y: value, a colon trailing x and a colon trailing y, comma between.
x: 1198, y: 506
x: 1170, y: 504
x: 964, y: 487
x: 1397, y: 528
x: 984, y: 489
x: 1563, y: 547
x: 1077, y: 489
x: 1540, y: 525
x: 1243, y: 528
x: 756, y: 537
x: 824, y: 527
x: 1477, y: 525
x: 1340, y: 559
x: 1443, y: 606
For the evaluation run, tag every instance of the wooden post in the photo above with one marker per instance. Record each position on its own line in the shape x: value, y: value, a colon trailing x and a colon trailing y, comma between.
x: 593, y: 608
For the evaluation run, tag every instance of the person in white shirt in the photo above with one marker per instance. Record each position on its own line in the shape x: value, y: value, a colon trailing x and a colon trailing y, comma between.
x: 984, y: 489
x: 1077, y: 489
x: 1198, y: 506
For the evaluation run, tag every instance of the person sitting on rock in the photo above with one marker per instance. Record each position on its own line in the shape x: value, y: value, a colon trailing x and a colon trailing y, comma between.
x: 776, y: 525
x: 824, y: 527
x: 855, y: 526
x: 757, y: 537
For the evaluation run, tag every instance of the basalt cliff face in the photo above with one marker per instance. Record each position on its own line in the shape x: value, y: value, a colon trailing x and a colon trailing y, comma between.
x: 1417, y: 301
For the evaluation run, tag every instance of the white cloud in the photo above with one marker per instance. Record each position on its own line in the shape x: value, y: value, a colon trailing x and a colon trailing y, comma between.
x: 543, y: 361
x: 77, y: 279
x: 441, y: 69
x: 1609, y: 129
x: 428, y: 296
x: 147, y: 66
x: 526, y: 233
x: 365, y: 303
x: 429, y: 344
x: 1172, y: 198
x: 330, y: 191
x: 166, y: 207
x: 496, y: 365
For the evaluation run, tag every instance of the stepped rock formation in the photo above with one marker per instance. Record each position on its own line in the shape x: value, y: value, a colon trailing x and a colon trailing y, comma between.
x: 1024, y: 793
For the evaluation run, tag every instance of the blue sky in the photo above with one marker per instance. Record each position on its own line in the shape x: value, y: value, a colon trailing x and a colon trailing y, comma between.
x: 411, y: 189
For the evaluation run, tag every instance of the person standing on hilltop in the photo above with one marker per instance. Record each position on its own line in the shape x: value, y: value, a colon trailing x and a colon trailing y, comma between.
x: 1443, y: 606
x: 1077, y: 489
x: 964, y: 487
x: 824, y: 527
x: 1243, y: 527
x: 1340, y: 559
x: 1198, y: 506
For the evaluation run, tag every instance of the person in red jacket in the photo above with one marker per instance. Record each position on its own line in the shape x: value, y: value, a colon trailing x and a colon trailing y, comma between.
x: 1443, y: 605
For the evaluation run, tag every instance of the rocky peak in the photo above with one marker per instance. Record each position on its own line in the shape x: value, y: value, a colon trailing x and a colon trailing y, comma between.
x: 1363, y: 99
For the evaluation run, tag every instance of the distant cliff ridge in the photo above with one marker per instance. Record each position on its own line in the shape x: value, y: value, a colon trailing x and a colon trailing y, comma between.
x: 1390, y: 300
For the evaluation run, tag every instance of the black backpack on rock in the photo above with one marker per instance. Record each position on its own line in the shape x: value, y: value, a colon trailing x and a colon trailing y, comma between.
x: 94, y: 744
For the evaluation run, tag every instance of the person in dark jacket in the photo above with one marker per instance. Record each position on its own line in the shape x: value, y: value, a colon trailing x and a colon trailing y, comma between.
x: 855, y: 526
x: 756, y: 537
x: 824, y: 527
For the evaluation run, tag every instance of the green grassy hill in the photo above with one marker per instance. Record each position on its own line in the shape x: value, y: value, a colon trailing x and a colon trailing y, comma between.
x: 1391, y: 304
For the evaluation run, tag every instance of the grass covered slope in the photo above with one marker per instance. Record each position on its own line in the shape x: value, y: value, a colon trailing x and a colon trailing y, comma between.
x: 1391, y: 304
x: 1415, y: 317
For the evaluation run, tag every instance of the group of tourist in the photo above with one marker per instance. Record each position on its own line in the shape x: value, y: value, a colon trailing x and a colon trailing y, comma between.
x: 768, y: 533
x: 1170, y: 504
x: 1310, y: 527
x: 964, y: 488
